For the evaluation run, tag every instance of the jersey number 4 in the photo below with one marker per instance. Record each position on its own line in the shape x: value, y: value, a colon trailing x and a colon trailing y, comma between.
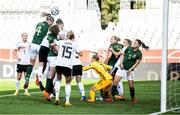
x: 67, y: 51
x: 38, y: 30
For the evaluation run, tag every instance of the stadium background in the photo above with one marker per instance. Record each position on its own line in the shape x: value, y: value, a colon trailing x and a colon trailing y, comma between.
x: 83, y: 17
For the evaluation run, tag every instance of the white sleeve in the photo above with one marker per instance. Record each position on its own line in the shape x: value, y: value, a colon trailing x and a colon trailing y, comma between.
x: 76, y: 48
x: 123, y: 49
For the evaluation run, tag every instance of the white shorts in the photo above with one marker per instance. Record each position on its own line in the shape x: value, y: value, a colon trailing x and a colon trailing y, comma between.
x: 34, y: 50
x: 52, y: 61
x: 123, y: 73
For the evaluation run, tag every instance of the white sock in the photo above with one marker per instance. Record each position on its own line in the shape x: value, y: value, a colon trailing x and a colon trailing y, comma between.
x: 26, y: 90
x: 120, y: 88
x: 81, y: 88
x: 68, y: 91
x: 17, y: 85
x: 47, y: 74
x: 57, y: 88
x: 40, y: 69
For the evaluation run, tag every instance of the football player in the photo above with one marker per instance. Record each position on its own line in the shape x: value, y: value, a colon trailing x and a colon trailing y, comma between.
x: 40, y: 32
x: 23, y: 60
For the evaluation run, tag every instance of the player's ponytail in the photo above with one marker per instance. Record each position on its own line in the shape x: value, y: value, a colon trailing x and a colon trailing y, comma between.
x: 142, y: 44
x: 47, y: 15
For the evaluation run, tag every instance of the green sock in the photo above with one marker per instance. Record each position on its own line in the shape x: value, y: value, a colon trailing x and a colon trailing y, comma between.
x: 49, y: 85
x: 41, y: 86
x: 29, y: 71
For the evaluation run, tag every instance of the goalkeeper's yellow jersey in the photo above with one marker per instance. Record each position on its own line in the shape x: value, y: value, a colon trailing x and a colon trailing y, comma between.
x: 100, y: 68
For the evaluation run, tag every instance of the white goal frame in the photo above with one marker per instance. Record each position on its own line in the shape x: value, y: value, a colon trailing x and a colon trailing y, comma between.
x: 163, y: 106
x: 164, y: 56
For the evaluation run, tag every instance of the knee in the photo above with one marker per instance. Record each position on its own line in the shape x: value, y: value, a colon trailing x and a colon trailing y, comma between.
x: 19, y: 78
x: 68, y: 79
x: 93, y: 89
x: 131, y: 86
x: 77, y: 80
x: 115, y: 82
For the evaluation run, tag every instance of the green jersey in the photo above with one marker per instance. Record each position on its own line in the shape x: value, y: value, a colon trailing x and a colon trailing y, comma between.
x: 51, y: 38
x: 116, y: 47
x: 130, y: 57
x: 40, y: 32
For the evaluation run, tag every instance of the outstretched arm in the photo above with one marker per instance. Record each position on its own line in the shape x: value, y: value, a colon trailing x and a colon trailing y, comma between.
x: 107, y: 66
x: 135, y: 65
x: 85, y: 68
x: 116, y: 53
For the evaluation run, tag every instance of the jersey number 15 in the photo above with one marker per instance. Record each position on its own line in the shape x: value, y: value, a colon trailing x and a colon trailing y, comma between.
x: 67, y: 51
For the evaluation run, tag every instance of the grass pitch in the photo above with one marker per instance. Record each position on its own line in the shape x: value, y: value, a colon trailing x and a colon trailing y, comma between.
x: 147, y: 93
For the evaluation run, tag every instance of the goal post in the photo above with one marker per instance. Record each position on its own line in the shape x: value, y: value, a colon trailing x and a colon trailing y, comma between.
x: 164, y: 56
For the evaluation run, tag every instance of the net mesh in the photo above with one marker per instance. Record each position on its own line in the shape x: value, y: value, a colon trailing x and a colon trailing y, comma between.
x: 173, y: 81
x: 173, y: 87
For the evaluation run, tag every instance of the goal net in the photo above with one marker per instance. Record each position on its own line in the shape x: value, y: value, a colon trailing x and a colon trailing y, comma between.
x: 173, y: 88
x: 173, y: 68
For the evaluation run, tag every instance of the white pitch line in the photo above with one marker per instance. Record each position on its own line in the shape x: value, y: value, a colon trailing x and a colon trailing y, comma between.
x: 173, y: 109
x: 9, y: 95
x: 148, y: 93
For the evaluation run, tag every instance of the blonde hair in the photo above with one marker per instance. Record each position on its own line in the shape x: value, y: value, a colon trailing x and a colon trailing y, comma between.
x: 47, y: 15
x: 116, y: 38
x: 70, y: 35
x: 24, y: 33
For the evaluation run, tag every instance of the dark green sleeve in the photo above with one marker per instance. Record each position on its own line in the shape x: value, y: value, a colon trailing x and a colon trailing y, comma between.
x: 140, y: 55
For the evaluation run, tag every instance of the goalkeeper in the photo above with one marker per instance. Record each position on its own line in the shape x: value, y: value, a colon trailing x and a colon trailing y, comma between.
x: 105, y: 82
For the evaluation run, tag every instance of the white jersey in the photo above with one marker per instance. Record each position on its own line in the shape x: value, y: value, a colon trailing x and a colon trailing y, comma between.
x: 118, y: 61
x: 67, y: 49
x: 76, y: 59
x: 23, y: 53
x: 45, y: 42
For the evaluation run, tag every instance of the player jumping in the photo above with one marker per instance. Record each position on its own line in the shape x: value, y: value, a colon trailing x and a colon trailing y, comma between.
x: 40, y: 33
